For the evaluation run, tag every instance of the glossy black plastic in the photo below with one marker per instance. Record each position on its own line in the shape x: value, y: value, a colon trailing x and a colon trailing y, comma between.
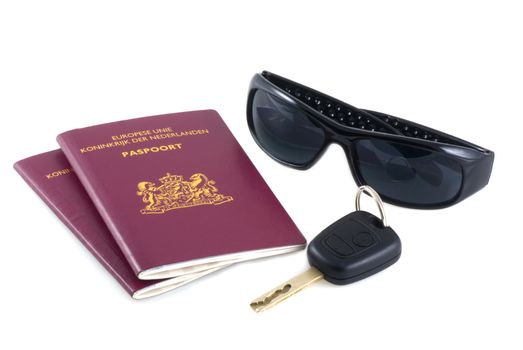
x: 353, y: 248
x: 346, y: 125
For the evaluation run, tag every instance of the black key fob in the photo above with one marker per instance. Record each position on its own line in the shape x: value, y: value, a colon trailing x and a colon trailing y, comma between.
x: 354, y: 247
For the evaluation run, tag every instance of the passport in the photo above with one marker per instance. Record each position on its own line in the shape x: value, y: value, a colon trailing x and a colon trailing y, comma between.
x: 178, y: 193
x: 52, y: 178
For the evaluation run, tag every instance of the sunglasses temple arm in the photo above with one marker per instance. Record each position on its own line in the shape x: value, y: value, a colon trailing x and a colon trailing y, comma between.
x: 476, y: 174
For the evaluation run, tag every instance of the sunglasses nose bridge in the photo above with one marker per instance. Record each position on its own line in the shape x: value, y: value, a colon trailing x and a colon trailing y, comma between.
x: 347, y: 144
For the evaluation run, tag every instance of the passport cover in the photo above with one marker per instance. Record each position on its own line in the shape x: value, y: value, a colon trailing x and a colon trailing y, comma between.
x: 51, y: 177
x: 178, y: 193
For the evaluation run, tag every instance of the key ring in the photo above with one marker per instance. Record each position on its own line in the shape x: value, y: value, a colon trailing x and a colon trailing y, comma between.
x: 370, y: 191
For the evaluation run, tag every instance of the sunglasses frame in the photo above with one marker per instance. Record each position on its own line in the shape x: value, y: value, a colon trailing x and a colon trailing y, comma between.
x: 475, y: 161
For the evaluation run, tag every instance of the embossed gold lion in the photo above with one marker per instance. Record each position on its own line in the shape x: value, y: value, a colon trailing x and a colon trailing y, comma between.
x: 150, y: 194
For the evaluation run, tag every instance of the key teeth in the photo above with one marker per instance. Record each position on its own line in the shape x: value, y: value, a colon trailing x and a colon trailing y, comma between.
x: 257, y: 308
x: 285, y: 290
x: 262, y: 304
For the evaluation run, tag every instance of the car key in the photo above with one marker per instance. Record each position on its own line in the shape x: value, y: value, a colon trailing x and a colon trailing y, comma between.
x: 356, y: 246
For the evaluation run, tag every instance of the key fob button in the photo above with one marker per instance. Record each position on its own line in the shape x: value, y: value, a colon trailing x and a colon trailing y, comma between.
x: 374, y: 246
x: 338, y: 246
x: 363, y: 239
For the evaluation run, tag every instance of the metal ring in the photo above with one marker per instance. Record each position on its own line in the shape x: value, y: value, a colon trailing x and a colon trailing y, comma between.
x: 370, y: 191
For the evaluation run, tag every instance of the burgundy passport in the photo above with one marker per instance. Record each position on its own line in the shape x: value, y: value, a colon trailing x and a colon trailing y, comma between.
x: 178, y: 193
x: 51, y: 177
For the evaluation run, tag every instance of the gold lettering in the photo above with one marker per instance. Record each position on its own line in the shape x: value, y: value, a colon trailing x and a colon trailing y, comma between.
x: 179, y: 134
x: 154, y: 149
x: 131, y: 135
x: 162, y: 130
x: 142, y: 136
x: 57, y: 173
x: 103, y: 146
x: 139, y: 139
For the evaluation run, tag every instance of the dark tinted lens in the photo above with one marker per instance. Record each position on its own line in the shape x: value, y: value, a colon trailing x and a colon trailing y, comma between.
x: 406, y: 173
x: 284, y: 130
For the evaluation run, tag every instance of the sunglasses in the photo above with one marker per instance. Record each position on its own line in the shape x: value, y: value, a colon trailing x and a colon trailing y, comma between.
x: 408, y: 164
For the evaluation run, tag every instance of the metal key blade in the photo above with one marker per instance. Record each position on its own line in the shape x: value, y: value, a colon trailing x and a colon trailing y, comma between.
x: 285, y: 290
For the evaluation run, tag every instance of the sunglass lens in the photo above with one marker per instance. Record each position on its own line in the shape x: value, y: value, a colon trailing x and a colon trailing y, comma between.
x: 284, y: 130
x: 408, y: 174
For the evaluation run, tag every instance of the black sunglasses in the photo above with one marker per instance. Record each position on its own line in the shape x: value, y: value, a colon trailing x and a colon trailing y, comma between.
x: 408, y: 164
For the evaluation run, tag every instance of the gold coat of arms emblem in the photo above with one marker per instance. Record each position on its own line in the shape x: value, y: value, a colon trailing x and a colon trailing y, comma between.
x: 174, y: 193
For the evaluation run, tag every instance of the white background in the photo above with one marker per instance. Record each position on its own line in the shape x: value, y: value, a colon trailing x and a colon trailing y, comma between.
x: 454, y: 66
